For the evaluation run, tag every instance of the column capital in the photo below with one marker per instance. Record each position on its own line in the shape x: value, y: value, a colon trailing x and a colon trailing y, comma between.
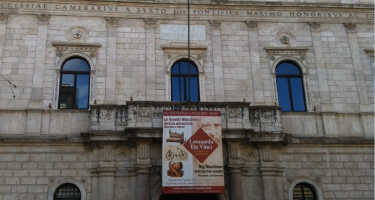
x: 350, y: 27
x: 43, y: 19
x: 113, y: 21
x: 215, y: 23
x: 251, y: 24
x: 3, y: 17
x: 315, y: 26
x: 150, y: 22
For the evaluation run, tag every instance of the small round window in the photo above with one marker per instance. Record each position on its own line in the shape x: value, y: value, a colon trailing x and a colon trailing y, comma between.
x: 67, y: 191
x: 304, y: 191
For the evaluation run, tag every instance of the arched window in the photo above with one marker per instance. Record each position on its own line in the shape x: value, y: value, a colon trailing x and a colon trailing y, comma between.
x: 185, y: 82
x: 304, y: 191
x: 290, y: 87
x: 74, y: 84
x: 67, y: 191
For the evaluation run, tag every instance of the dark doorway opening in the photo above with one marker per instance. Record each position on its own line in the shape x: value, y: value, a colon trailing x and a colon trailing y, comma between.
x: 190, y: 197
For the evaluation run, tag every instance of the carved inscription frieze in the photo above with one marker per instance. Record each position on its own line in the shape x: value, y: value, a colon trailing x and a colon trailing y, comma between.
x: 197, y: 11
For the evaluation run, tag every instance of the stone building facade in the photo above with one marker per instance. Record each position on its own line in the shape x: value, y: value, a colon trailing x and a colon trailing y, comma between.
x: 112, y: 151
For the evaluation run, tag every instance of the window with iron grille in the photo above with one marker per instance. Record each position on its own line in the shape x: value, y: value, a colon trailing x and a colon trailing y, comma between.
x: 67, y: 191
x: 290, y: 90
x: 304, y: 191
x: 74, y: 84
x: 185, y: 82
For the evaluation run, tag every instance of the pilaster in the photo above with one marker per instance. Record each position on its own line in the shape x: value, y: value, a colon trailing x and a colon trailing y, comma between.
x: 217, y: 63
x: 143, y: 169
x: 150, y: 26
x: 320, y: 65
x: 235, y: 165
x: 357, y: 67
x: 271, y: 173
x: 112, y: 24
x: 3, y: 27
x: 39, y: 65
x: 254, y: 65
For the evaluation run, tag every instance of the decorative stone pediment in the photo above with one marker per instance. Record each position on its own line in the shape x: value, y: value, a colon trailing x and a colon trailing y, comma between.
x: 67, y: 48
x: 297, y: 52
x: 177, y: 50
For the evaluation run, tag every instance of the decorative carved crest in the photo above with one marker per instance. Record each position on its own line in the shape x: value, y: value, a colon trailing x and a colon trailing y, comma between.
x: 274, y: 52
x: 65, y: 48
x: 77, y: 33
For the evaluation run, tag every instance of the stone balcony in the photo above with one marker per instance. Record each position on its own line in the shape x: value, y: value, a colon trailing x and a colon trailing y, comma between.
x: 144, y: 119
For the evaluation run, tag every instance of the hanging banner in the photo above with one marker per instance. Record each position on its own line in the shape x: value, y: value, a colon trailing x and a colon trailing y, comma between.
x: 192, y: 152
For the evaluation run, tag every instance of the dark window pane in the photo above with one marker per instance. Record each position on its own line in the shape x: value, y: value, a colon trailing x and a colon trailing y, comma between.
x: 67, y: 192
x: 82, y: 91
x: 67, y: 80
x: 67, y: 97
x: 76, y: 64
x: 185, y: 84
x: 283, y: 94
x: 194, y: 89
x: 304, y: 191
x: 67, y: 91
x: 287, y: 68
x: 297, y: 94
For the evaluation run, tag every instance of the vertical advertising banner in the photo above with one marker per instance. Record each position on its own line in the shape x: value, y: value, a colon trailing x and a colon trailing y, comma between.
x: 192, y: 152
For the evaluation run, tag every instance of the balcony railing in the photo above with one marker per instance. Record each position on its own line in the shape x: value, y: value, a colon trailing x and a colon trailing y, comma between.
x: 149, y: 114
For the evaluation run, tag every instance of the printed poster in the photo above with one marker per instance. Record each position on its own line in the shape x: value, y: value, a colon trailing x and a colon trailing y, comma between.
x: 192, y: 152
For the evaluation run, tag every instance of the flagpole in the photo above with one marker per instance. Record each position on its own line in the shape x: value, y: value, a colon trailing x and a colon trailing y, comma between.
x: 188, y: 29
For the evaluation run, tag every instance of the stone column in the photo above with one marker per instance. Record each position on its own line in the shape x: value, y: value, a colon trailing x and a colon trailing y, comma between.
x: 39, y: 65
x: 110, y: 83
x: 217, y: 63
x: 143, y: 168
x: 357, y: 68
x: 150, y: 91
x: 256, y: 70
x: 234, y: 169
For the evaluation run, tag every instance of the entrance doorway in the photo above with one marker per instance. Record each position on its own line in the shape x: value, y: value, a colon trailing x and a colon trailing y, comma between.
x: 190, y: 197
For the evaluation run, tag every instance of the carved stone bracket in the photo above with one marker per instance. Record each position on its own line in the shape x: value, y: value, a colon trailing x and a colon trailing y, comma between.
x: 275, y: 52
x: 65, y: 48
x: 234, y: 155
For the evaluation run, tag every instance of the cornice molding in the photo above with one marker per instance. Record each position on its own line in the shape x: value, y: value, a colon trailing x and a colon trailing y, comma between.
x: 274, y: 52
x: 65, y: 48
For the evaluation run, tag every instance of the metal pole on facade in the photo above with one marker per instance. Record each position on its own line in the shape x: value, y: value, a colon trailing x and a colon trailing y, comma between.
x: 188, y: 2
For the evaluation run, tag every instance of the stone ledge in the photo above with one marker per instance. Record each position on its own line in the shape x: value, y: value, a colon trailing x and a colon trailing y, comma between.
x: 328, y: 140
